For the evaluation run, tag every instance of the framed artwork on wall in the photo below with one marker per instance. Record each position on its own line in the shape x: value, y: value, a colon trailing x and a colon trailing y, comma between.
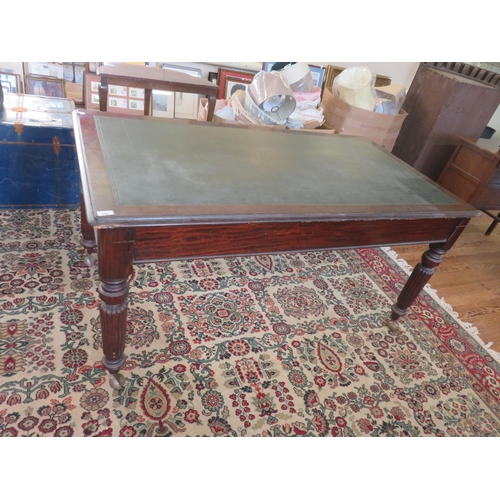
x: 224, y: 74
x: 49, y: 87
x: 317, y: 72
x: 12, y: 81
x: 234, y: 84
x: 212, y: 77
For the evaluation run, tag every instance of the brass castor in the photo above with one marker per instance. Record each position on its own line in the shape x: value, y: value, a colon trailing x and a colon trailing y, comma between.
x: 89, y: 259
x: 116, y: 380
x: 392, y: 325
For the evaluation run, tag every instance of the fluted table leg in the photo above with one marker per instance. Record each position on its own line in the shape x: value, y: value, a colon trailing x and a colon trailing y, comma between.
x: 421, y: 275
x: 115, y: 253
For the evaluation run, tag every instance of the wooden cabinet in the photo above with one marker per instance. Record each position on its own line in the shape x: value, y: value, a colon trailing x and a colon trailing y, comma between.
x: 473, y: 174
x: 441, y: 106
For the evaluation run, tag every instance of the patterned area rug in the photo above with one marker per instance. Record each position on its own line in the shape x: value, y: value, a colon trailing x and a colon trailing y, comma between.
x: 282, y: 345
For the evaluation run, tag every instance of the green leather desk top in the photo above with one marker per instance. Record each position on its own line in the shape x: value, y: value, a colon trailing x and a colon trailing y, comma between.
x: 167, y: 163
x: 144, y: 171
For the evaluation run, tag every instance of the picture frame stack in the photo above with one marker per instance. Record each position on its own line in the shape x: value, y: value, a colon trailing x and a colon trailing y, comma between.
x: 124, y: 100
x: 44, y: 79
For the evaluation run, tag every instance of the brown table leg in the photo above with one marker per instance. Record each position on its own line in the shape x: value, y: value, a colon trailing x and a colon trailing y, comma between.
x: 115, y: 253
x: 211, y: 107
x: 87, y: 238
x: 494, y: 224
x: 103, y: 95
x: 147, y: 101
x: 421, y: 275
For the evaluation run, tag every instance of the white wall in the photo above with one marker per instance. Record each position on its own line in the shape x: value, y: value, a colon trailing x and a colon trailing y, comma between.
x: 400, y: 72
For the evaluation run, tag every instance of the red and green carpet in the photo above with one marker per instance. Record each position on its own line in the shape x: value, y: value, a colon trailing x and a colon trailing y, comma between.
x: 281, y: 345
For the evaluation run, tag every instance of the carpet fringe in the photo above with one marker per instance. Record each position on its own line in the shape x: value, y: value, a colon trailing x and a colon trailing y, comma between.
x: 468, y: 327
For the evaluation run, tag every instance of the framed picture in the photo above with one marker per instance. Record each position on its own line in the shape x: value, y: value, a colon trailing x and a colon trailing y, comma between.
x: 5, y: 86
x: 49, y: 87
x: 185, y: 104
x: 124, y: 100
x: 136, y: 104
x: 44, y: 69
x: 162, y: 103
x: 234, y: 84
x: 117, y: 102
x: 12, y: 81
x: 212, y: 77
x: 317, y: 72
x: 136, y: 93
x: 91, y: 84
x: 117, y: 90
x: 224, y: 74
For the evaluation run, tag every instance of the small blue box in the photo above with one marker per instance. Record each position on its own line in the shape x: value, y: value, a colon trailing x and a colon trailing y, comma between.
x: 38, y: 160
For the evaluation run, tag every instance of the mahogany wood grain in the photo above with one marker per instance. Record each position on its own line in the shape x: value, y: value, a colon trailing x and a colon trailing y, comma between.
x: 115, y: 265
x: 155, y: 243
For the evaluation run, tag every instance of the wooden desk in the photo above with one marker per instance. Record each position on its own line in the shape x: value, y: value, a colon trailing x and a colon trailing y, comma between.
x: 149, y: 79
x: 165, y: 190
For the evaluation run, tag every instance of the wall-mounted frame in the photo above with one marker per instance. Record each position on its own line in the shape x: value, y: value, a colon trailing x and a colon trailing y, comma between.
x: 234, y: 84
x: 317, y: 72
x: 185, y: 104
x: 224, y: 74
x: 11, y: 81
x: 49, y: 87
x: 212, y: 77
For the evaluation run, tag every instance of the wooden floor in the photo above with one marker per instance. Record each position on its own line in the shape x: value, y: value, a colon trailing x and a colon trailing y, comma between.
x: 468, y: 277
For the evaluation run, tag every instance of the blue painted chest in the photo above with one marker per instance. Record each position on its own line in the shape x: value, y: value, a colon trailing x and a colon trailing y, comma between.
x: 38, y: 161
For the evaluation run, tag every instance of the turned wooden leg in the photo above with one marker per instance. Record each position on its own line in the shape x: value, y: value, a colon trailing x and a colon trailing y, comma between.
x: 115, y: 265
x: 87, y: 239
x: 211, y: 107
x: 422, y: 274
x: 147, y: 102
x: 103, y: 96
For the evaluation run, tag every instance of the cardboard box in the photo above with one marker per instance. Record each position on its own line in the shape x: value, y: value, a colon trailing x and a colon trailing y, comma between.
x: 381, y: 128
x: 394, y: 92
